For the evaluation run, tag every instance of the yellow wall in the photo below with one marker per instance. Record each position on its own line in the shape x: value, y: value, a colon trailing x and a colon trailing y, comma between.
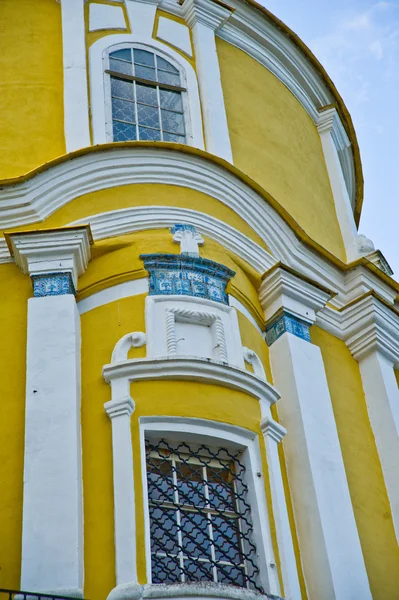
x: 15, y: 290
x: 362, y: 465
x: 31, y: 88
x: 275, y: 142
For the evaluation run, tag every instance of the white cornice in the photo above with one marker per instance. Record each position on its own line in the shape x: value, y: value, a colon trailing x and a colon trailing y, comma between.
x: 120, y: 407
x: 207, y: 12
x: 282, y: 290
x: 274, y: 430
x: 42, y: 252
x: 191, y: 369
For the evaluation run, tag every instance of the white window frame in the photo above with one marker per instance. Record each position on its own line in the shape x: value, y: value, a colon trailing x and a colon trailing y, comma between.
x: 100, y: 97
x: 107, y: 88
x: 233, y: 438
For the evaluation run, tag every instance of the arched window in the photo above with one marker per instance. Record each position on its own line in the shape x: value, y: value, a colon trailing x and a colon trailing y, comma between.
x: 147, y: 97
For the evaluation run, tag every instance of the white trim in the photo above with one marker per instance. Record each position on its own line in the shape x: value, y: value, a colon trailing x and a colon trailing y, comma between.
x: 253, y: 359
x: 174, y: 33
x: 76, y: 102
x: 103, y: 16
x: 203, y: 17
x: 182, y: 591
x: 111, y: 294
x: 208, y: 432
x: 37, y: 198
x: 243, y: 310
x: 98, y: 92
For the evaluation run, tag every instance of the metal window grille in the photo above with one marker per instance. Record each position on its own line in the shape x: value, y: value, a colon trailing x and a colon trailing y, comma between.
x: 146, y: 97
x: 200, y: 519
x: 23, y: 595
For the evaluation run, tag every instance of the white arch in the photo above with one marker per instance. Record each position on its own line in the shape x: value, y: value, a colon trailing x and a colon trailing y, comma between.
x: 98, y: 92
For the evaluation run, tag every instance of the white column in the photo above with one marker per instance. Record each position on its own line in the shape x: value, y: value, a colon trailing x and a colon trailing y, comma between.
x: 273, y: 433
x: 119, y: 411
x: 330, y: 548
x: 76, y: 101
x: 334, y: 139
x: 52, y: 529
x: 204, y: 17
x: 372, y: 335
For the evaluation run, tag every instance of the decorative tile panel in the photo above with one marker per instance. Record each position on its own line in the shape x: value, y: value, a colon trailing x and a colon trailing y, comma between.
x: 187, y: 275
x: 52, y: 284
x: 286, y: 323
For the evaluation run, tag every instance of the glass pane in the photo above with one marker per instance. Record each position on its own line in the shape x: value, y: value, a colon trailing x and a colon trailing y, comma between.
x: 226, y: 537
x: 122, y: 89
x: 144, y: 58
x: 165, y: 569
x: 123, y: 132
x: 144, y: 72
x: 125, y: 54
x: 228, y: 574
x: 195, y: 534
x: 149, y: 134
x: 148, y: 116
x: 160, y: 480
x: 146, y: 94
x: 196, y: 570
x: 171, y: 137
x: 169, y: 78
x: 165, y: 65
x: 190, y: 483
x: 171, y: 100
x: 120, y: 66
x: 123, y: 111
x: 163, y: 531
x: 173, y: 122
x: 221, y: 488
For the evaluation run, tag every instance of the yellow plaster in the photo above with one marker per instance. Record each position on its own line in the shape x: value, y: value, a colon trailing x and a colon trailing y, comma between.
x: 162, y: 13
x: 93, y: 36
x: 15, y: 291
x: 31, y: 87
x: 275, y: 142
x: 362, y: 465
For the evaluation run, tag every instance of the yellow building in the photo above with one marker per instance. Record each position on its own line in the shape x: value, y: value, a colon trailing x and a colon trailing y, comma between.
x: 199, y: 395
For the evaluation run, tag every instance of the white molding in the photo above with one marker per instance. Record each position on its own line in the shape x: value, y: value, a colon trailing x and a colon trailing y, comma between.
x: 243, y: 310
x: 98, y: 53
x: 270, y: 428
x: 174, y: 33
x: 119, y: 411
x: 103, y: 16
x: 182, y: 368
x: 76, y: 102
x: 142, y: 17
x: 111, y: 294
x: 282, y: 290
x: 253, y: 359
x: 214, y: 432
x: 42, y: 252
x: 37, y: 198
x: 203, y: 17
x: 181, y: 591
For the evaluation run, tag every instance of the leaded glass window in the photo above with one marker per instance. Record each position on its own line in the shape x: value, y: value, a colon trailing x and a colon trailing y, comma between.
x: 200, y: 519
x: 146, y: 97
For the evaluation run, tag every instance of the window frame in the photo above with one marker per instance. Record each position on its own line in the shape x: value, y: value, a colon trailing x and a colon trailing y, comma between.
x: 234, y: 438
x: 107, y: 87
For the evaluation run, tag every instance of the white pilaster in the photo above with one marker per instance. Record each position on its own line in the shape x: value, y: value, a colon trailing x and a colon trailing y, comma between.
x: 52, y: 529
x: 372, y: 336
x: 334, y: 139
x: 119, y: 411
x: 204, y: 17
x: 76, y: 102
x: 273, y: 433
x: 330, y: 548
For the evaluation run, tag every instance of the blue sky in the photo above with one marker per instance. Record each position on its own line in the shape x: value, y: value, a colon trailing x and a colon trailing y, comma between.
x: 357, y: 41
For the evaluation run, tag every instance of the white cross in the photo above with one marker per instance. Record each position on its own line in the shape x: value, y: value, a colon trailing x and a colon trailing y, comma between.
x: 188, y: 238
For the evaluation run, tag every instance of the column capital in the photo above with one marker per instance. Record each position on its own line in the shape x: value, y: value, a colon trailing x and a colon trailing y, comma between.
x: 285, y: 290
x: 329, y: 121
x: 119, y: 407
x: 272, y: 429
x: 371, y: 325
x: 54, y: 258
x: 210, y: 13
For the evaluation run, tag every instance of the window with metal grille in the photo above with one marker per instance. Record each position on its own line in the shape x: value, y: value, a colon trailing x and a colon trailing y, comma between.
x: 200, y: 518
x: 146, y: 97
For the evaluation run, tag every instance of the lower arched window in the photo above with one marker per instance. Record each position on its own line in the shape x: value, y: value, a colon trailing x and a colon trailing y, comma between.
x: 146, y: 97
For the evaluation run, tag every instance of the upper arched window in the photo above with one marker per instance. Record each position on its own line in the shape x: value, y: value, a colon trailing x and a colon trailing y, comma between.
x: 147, y: 97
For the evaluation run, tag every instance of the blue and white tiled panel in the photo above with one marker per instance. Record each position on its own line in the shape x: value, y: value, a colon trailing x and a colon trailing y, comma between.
x: 286, y: 323
x: 52, y: 284
x: 187, y: 283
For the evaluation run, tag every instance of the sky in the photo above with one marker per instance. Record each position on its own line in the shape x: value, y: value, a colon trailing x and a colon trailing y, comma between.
x: 357, y: 42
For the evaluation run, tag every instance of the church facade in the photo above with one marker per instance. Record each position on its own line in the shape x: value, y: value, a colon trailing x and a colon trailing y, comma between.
x: 199, y: 360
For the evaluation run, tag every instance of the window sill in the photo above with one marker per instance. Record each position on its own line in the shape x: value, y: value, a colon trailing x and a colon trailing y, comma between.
x: 181, y: 591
